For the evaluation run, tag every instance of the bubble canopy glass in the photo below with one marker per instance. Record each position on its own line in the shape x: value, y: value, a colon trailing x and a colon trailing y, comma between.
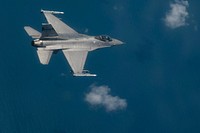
x: 104, y: 38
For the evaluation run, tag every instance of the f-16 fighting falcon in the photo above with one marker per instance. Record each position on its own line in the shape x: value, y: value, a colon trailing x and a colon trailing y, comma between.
x: 57, y: 36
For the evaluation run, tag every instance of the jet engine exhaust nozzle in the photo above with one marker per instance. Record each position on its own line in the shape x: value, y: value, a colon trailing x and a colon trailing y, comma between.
x: 36, y: 43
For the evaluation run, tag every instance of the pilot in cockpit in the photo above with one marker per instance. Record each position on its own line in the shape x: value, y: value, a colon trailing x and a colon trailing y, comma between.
x: 104, y: 38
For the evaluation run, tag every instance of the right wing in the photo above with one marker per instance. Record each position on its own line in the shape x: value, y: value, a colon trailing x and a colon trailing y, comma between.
x: 76, y: 60
x: 60, y: 27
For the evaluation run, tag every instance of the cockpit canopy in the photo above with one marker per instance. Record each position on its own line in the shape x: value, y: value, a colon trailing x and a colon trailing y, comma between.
x: 104, y: 38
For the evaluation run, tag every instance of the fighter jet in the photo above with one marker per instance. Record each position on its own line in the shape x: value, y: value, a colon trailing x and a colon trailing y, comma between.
x: 58, y: 36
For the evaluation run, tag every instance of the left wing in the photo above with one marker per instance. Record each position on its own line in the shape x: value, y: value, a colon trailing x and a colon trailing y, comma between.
x: 76, y: 60
x: 60, y: 27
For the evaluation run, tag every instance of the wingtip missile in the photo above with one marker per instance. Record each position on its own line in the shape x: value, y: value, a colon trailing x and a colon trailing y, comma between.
x: 84, y: 75
x: 52, y: 12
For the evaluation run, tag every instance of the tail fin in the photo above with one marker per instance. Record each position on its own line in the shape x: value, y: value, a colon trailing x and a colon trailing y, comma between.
x: 44, y: 56
x: 32, y: 32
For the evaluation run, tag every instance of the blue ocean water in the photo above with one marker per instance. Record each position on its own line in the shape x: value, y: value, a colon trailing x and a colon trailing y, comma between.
x: 156, y: 71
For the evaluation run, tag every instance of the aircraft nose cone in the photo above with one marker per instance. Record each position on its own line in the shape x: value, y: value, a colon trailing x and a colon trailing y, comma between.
x: 117, y: 42
x: 120, y: 42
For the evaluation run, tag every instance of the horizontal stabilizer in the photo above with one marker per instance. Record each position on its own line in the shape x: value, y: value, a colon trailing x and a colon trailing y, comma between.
x: 32, y: 32
x: 84, y: 75
x: 44, y: 56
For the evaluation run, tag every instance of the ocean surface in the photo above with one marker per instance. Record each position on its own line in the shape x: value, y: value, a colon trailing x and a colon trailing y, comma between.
x: 157, y: 71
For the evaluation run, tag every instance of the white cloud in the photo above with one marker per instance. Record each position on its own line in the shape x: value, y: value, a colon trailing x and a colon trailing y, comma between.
x: 177, y: 15
x: 99, y: 96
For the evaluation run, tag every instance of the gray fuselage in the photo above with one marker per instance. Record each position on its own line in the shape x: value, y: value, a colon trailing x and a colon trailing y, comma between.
x: 89, y: 43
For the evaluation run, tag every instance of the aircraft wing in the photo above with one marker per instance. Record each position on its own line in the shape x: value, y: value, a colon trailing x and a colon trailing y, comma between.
x: 76, y: 60
x: 60, y: 27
